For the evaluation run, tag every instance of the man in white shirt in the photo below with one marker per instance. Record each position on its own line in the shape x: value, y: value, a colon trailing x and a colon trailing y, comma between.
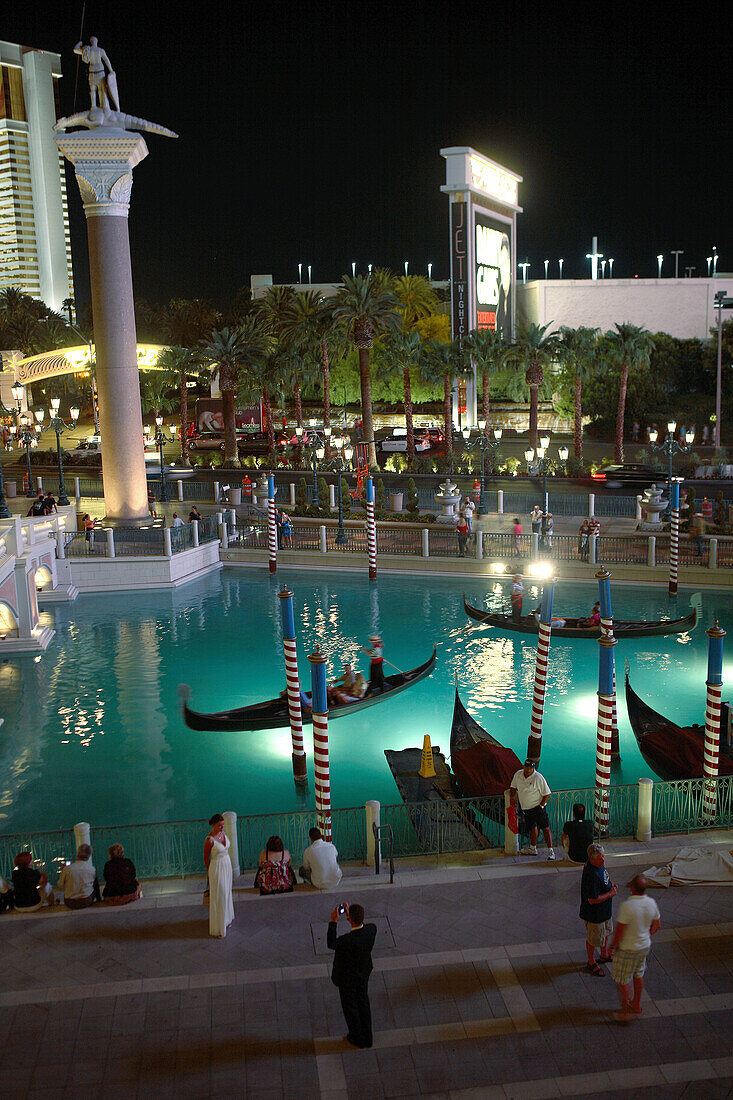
x: 533, y: 793
x: 177, y: 521
x: 637, y: 921
x: 320, y: 863
x: 79, y: 881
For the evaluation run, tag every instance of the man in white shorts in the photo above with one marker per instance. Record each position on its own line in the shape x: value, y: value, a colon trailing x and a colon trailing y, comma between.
x: 637, y: 921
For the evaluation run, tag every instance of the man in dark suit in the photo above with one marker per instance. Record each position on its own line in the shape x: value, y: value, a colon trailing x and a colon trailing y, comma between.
x: 352, y: 965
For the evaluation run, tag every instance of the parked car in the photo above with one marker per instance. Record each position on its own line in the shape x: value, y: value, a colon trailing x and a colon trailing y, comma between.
x: 87, y: 448
x: 398, y: 441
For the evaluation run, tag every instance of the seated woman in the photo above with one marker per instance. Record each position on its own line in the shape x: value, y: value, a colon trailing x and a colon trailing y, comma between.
x: 356, y: 692
x: 275, y: 875
x: 120, y: 882
x: 594, y: 619
x: 31, y: 888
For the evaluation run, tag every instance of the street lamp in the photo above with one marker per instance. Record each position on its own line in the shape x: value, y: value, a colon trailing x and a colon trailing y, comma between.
x: 318, y: 440
x: 27, y: 440
x: 660, y: 258
x: 90, y: 344
x: 58, y: 426
x: 562, y: 454
x: 341, y: 463
x: 671, y: 447
x: 4, y: 510
x: 486, y: 444
x: 539, y: 460
x: 160, y: 440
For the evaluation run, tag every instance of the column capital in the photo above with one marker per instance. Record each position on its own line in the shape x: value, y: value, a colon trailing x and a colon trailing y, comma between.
x: 104, y: 160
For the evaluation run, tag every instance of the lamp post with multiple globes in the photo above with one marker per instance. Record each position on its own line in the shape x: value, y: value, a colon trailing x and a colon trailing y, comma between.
x: 58, y: 426
x: 486, y: 444
x: 670, y: 447
x: 541, y: 462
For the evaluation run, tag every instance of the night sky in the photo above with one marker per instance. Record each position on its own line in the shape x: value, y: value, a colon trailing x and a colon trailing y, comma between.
x: 311, y: 132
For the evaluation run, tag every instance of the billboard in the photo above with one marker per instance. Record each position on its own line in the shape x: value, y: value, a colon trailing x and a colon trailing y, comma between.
x: 459, y: 269
x: 492, y: 273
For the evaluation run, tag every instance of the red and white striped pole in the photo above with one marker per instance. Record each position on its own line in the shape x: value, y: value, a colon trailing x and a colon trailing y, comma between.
x: 604, y: 593
x: 534, y: 741
x: 300, y: 766
x: 371, y: 530
x: 321, y: 768
x: 674, y: 540
x: 712, y: 723
x: 606, y: 710
x: 271, y: 525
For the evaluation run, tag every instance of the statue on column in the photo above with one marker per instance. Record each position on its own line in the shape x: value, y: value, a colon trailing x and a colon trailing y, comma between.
x: 102, y: 77
x: 105, y: 103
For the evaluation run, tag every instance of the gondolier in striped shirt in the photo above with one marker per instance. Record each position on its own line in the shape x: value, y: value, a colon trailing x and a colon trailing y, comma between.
x: 376, y: 668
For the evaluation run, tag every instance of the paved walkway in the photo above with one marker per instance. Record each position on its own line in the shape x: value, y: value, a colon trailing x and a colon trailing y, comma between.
x: 479, y: 990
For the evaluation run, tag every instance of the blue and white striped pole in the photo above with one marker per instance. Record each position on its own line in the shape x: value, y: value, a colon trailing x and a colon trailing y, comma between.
x: 604, y: 595
x: 300, y: 766
x: 534, y: 742
x: 371, y: 530
x: 606, y: 706
x: 712, y: 722
x: 321, y: 767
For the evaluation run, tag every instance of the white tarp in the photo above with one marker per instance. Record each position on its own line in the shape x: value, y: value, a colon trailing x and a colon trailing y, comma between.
x: 694, y: 867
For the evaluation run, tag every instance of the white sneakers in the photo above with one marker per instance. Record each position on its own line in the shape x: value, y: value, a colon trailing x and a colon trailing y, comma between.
x: 531, y: 850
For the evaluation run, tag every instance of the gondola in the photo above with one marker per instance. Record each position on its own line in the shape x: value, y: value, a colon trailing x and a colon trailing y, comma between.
x: 273, y: 713
x: 671, y: 751
x: 622, y: 628
x: 481, y: 765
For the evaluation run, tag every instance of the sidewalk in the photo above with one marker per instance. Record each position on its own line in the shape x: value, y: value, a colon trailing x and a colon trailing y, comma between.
x: 479, y: 990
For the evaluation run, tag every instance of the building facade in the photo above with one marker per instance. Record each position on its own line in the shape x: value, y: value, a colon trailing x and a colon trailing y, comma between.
x: 35, y: 246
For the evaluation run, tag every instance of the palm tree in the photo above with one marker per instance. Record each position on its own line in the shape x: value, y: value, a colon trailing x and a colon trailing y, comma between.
x: 416, y: 297
x: 442, y: 363
x: 181, y: 362
x: 630, y: 346
x: 224, y: 349
x: 308, y: 328
x: 404, y: 350
x: 533, y: 351
x: 263, y: 377
x: 155, y: 386
x: 364, y: 306
x: 486, y: 347
x: 579, y: 349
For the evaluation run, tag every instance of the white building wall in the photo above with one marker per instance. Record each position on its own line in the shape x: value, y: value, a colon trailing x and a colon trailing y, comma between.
x: 679, y: 307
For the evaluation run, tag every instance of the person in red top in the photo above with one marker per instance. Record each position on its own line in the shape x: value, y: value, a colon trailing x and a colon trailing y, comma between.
x: 517, y: 532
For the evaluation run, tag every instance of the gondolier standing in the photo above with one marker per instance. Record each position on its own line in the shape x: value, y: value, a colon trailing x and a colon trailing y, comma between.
x: 376, y: 668
x: 517, y: 595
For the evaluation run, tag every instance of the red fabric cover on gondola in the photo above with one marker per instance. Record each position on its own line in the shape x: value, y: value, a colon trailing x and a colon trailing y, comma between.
x: 679, y: 752
x: 484, y: 769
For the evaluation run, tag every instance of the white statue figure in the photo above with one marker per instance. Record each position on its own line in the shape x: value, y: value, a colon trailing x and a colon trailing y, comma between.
x: 105, y: 108
x: 102, y: 78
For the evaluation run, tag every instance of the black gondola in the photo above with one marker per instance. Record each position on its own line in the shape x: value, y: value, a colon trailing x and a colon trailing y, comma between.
x: 672, y: 752
x: 481, y: 765
x: 273, y: 713
x: 622, y: 628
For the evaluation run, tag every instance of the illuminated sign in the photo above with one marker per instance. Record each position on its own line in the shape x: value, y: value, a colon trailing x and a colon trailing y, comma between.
x: 459, y: 268
x: 493, y: 271
x: 51, y: 364
x: 493, y: 181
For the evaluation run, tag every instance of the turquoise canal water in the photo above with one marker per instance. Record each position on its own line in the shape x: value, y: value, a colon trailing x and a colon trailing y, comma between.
x: 93, y: 732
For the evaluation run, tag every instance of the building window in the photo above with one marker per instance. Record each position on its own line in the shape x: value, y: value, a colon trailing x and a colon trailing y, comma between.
x: 12, y: 103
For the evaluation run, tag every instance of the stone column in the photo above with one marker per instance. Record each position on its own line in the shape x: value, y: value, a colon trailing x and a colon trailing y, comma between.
x: 104, y: 159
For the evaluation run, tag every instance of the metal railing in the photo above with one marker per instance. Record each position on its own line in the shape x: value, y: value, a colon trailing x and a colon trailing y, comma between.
x: 622, y: 549
x: 131, y: 542
x: 175, y: 848
x: 502, y: 545
x: 182, y: 537
x: 678, y: 807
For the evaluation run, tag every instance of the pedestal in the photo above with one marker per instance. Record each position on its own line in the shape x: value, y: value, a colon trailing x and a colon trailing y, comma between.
x: 104, y: 159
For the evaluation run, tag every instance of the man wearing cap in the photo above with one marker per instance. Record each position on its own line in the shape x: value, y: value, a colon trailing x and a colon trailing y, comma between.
x: 376, y: 670
x: 596, y: 900
x: 533, y: 793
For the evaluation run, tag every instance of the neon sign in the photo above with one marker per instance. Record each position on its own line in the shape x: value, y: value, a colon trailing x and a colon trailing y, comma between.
x: 493, y: 181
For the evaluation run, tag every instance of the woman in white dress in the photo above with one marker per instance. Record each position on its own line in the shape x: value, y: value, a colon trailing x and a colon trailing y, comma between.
x: 216, y: 858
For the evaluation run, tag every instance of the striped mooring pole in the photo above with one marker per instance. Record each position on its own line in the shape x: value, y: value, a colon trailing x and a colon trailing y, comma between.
x: 712, y: 722
x: 371, y: 530
x: 674, y: 535
x: 271, y: 525
x: 321, y: 768
x: 604, y: 595
x: 300, y: 765
x: 534, y: 741
x: 606, y: 710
